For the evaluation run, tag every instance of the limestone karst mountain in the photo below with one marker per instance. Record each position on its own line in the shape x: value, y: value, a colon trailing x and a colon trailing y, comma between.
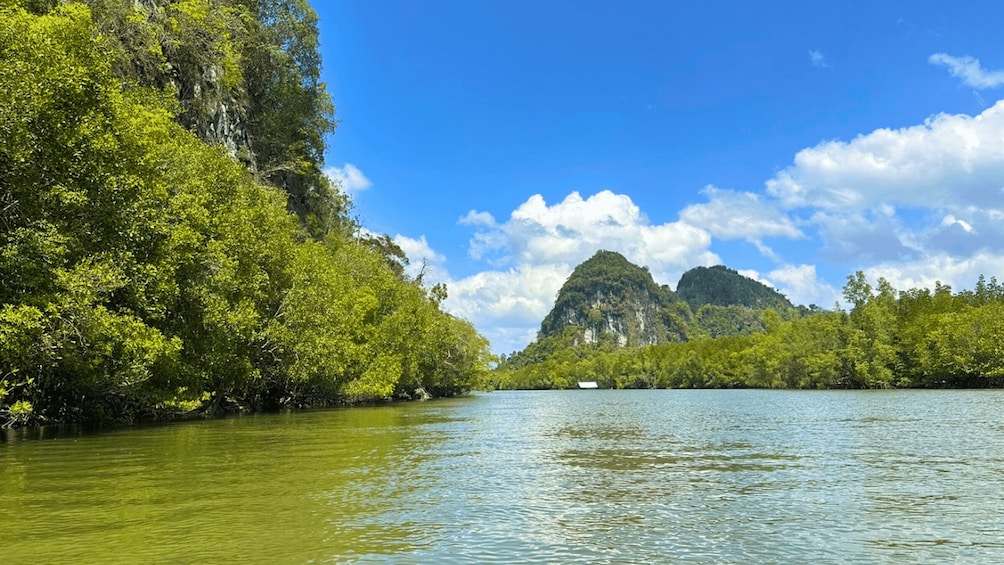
x: 608, y: 297
x: 722, y: 286
x: 607, y: 294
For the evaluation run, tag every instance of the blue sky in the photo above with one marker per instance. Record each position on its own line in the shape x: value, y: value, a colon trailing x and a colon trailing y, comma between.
x: 502, y: 143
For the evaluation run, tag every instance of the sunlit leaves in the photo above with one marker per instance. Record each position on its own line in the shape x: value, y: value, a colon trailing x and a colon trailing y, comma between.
x: 141, y: 268
x: 913, y: 338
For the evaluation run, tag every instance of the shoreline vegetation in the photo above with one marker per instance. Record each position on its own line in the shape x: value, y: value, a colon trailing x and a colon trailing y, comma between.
x: 168, y: 242
x: 889, y: 339
x: 170, y: 247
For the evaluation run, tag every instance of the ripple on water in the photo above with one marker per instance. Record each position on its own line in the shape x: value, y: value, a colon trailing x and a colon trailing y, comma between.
x: 595, y: 477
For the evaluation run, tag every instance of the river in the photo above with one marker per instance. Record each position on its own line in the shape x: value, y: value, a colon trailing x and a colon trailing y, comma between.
x: 565, y: 476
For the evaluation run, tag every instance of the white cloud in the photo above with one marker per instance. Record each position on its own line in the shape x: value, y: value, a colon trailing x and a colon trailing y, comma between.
x: 864, y: 236
x: 817, y: 59
x: 739, y: 215
x: 904, y: 194
x: 802, y: 286
x: 475, y: 218
x: 755, y: 275
x: 535, y: 250
x: 969, y: 70
x: 951, y: 220
x: 959, y: 236
x: 946, y: 160
x: 955, y: 271
x: 570, y: 231
x: 507, y: 306
x: 519, y: 296
x: 422, y: 258
x: 349, y: 178
x: 799, y: 283
x: 913, y: 205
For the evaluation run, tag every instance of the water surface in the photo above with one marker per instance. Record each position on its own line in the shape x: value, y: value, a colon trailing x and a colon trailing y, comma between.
x: 584, y: 476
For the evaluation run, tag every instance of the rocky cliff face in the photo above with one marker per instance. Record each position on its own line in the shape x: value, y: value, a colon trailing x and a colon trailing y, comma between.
x: 213, y: 113
x: 609, y: 296
x: 188, y: 51
x: 244, y: 75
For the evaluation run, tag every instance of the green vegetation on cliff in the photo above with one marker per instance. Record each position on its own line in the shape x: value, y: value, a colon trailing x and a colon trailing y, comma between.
x: 609, y: 294
x: 722, y: 286
x: 142, y: 270
x: 914, y: 338
x: 244, y: 75
x: 609, y: 303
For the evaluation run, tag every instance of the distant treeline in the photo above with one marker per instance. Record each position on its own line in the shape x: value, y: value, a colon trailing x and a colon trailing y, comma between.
x: 914, y: 338
x: 143, y: 272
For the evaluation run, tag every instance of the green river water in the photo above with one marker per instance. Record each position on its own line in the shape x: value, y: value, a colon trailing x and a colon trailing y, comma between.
x: 528, y: 477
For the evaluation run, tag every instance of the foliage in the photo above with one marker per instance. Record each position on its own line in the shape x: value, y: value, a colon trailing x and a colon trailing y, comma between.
x: 721, y: 286
x: 243, y: 74
x: 608, y: 290
x: 914, y: 338
x: 721, y: 321
x: 141, y: 268
x: 290, y: 110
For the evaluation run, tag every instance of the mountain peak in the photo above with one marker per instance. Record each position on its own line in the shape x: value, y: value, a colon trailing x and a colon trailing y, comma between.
x: 722, y: 286
x: 609, y: 295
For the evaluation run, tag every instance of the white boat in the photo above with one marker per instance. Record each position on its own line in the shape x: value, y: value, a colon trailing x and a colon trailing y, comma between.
x: 587, y: 384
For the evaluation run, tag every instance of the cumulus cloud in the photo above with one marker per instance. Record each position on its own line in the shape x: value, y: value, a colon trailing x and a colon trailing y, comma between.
x: 959, y: 237
x: 741, y: 215
x: 914, y: 205
x: 517, y: 297
x: 951, y: 220
x: 570, y: 231
x: 959, y: 272
x: 904, y: 194
x: 349, y: 178
x: 801, y: 285
x: 533, y: 252
x: 868, y: 236
x: 969, y: 70
x: 946, y: 160
x: 506, y: 306
x: 475, y: 218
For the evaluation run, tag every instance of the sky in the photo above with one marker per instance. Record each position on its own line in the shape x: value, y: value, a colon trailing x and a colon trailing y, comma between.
x: 502, y: 143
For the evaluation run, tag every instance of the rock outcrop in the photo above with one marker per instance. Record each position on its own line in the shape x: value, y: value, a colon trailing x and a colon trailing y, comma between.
x: 607, y: 295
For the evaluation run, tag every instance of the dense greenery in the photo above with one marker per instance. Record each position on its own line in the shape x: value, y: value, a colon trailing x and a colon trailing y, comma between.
x: 914, y: 338
x: 606, y: 272
x: 142, y: 270
x: 609, y: 302
x: 721, y: 286
x: 607, y: 291
x: 245, y: 75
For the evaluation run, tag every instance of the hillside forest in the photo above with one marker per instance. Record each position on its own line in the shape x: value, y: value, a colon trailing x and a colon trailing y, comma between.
x: 888, y: 338
x: 170, y: 245
x: 168, y: 241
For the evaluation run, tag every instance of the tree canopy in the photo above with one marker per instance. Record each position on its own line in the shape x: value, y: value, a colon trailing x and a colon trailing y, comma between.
x: 889, y: 338
x: 143, y: 270
x: 722, y: 286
